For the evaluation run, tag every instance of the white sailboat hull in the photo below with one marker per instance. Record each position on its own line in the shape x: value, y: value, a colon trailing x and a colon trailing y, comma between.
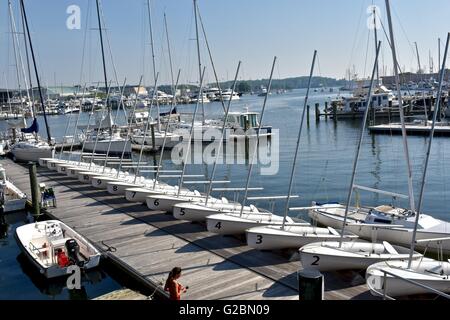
x: 198, y: 211
x: 352, y: 255
x: 101, y: 182
x: 117, y: 146
x: 32, y: 154
x: 232, y: 224
x: 426, y: 272
x: 399, y: 236
x: 165, y: 202
x: 292, y: 237
x: 118, y: 188
x: 139, y: 194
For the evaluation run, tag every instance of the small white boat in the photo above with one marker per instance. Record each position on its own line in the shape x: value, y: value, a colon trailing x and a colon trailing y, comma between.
x: 172, y: 139
x: 192, y: 211
x: 119, y: 187
x: 234, y: 223
x: 428, y: 272
x: 11, y: 197
x: 41, y: 242
x: 166, y: 201
x: 115, y: 146
x: 31, y: 150
x: 394, y: 225
x: 350, y: 255
x: 292, y: 236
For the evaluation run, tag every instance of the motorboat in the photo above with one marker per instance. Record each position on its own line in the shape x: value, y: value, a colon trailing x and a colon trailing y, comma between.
x: 45, y: 242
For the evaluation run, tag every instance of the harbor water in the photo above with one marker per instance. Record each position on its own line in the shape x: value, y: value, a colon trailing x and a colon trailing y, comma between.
x: 326, y: 155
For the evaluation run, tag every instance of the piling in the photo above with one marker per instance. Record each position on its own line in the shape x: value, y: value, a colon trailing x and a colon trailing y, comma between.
x: 317, y: 112
x: 334, y: 112
x: 307, y: 114
x: 35, y: 192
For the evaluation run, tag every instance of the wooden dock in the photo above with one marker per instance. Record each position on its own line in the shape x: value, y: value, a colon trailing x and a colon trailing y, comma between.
x: 148, y: 244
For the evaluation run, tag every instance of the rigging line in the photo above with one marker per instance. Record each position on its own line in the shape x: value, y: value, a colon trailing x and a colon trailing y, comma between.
x: 367, y: 54
x: 108, y: 43
x: 403, y: 30
x: 84, y: 48
x: 211, y: 59
x: 28, y: 65
x: 356, y: 34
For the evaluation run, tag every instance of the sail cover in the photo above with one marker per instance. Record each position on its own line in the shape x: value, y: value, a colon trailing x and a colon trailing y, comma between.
x: 33, y: 128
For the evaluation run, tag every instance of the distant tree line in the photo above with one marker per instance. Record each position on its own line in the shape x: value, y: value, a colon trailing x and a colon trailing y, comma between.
x: 287, y: 84
x: 247, y: 86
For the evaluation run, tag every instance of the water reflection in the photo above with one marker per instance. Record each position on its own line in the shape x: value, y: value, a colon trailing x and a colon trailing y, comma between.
x: 55, y: 287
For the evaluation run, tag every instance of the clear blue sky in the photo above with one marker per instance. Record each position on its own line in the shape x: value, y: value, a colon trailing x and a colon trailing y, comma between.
x: 249, y: 30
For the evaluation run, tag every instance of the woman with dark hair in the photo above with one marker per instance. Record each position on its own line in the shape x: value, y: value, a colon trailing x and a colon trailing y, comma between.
x: 175, y: 289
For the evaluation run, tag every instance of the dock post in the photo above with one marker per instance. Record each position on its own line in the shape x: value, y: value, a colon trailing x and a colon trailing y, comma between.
x: 317, y: 112
x: 152, y: 128
x: 307, y: 114
x: 35, y: 192
x: 334, y: 112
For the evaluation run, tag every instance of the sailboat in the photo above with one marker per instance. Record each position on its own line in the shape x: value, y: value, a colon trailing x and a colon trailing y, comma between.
x: 236, y: 219
x: 292, y: 235
x: 393, y: 224
x: 339, y: 255
x: 30, y: 147
x: 107, y: 138
x: 401, y: 278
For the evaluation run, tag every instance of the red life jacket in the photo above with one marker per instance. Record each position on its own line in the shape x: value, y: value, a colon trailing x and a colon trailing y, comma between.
x: 63, y: 260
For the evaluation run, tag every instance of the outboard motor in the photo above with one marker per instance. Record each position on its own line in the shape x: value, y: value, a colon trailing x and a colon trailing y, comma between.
x: 73, y: 250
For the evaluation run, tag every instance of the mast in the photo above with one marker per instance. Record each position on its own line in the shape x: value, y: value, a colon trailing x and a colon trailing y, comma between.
x: 115, y: 121
x: 41, y: 97
x: 89, y: 123
x: 76, y: 122
x: 15, y: 49
x: 147, y: 124
x: 153, y: 56
x: 400, y: 106
x: 28, y: 66
x: 423, y: 92
x: 221, y: 137
x: 291, y: 181
x: 250, y: 168
x: 439, y: 52
x: 174, y: 87
x: 199, y: 60
x: 211, y: 59
x: 158, y: 168
x: 361, y: 137
x: 102, y: 48
x: 188, y: 151
x: 130, y: 123
x: 424, y: 174
x: 374, y: 8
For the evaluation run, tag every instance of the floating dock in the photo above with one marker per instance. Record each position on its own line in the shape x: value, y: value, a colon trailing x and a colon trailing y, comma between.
x: 411, y: 129
x: 148, y: 244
